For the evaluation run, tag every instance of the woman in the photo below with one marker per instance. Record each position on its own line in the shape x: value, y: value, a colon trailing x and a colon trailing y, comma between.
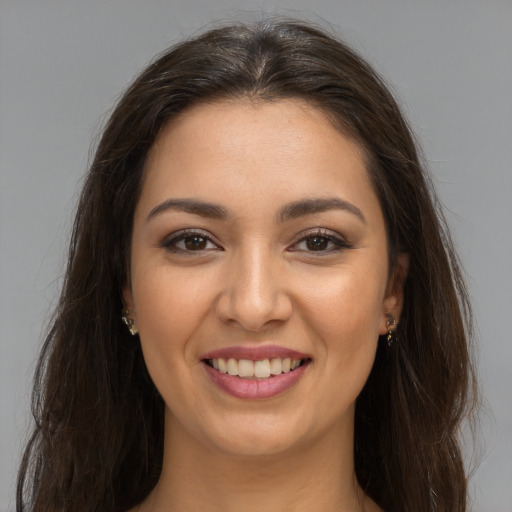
x: 262, y: 307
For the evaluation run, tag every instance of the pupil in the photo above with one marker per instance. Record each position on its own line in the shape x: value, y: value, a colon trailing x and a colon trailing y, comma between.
x: 195, y: 243
x: 317, y: 243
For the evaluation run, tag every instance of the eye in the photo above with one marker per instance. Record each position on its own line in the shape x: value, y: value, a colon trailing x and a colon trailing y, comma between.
x: 189, y: 241
x: 319, y: 241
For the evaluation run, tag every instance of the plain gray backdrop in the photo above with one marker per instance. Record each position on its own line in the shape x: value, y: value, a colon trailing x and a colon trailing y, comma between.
x: 64, y: 63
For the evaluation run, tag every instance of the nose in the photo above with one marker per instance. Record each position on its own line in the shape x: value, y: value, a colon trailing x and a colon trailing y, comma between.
x: 254, y: 295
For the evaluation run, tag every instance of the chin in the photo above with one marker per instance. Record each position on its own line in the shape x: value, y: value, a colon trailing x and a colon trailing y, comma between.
x: 258, y: 444
x: 254, y: 436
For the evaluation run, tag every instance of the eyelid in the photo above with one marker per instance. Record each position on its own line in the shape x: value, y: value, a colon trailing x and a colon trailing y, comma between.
x: 338, y: 240
x: 174, y: 237
x: 333, y: 237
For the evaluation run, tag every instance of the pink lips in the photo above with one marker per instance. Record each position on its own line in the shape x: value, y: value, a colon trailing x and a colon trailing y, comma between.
x: 255, y: 388
x: 254, y: 353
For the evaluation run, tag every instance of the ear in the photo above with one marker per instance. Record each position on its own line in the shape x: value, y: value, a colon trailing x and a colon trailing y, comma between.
x: 127, y: 297
x: 394, y: 299
x: 129, y: 316
x: 128, y: 304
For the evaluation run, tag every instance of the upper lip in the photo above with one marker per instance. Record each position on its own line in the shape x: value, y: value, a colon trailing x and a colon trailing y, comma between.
x: 254, y: 353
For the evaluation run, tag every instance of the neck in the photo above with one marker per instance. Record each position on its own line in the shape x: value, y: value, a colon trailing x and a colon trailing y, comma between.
x: 318, y: 476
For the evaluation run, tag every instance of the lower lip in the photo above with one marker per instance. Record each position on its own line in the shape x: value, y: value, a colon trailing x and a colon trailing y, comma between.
x: 254, y: 388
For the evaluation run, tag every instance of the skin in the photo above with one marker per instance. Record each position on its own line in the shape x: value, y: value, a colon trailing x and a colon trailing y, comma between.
x: 253, y: 279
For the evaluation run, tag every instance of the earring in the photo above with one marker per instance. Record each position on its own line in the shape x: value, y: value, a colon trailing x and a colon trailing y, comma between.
x: 129, y: 322
x: 391, y: 336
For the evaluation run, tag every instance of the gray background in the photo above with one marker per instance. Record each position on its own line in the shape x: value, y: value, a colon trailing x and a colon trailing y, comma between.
x: 63, y: 64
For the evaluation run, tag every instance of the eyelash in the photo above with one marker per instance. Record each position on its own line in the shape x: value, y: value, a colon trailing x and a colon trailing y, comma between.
x: 337, y: 242
x: 181, y: 236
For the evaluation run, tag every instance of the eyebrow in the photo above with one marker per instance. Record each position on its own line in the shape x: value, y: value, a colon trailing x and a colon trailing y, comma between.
x: 196, y: 207
x: 293, y: 210
x: 318, y: 205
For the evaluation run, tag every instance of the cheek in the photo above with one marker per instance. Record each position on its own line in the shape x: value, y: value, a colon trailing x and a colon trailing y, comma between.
x: 347, y: 302
x: 344, y: 315
x: 169, y: 307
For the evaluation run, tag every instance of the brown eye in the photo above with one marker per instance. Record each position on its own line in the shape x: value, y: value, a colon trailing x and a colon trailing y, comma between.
x: 187, y: 242
x: 195, y: 243
x: 320, y: 242
x: 317, y: 243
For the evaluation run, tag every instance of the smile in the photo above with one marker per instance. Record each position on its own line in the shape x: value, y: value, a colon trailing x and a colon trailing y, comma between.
x: 261, y: 369
x: 255, y: 372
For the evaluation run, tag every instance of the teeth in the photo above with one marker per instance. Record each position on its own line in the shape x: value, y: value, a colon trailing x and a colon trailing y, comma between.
x: 232, y: 367
x: 245, y: 368
x: 262, y: 369
x: 275, y: 366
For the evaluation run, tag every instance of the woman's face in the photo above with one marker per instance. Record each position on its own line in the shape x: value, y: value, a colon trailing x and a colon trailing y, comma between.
x: 259, y: 275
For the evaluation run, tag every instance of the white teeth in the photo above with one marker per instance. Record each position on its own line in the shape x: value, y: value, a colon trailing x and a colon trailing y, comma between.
x: 275, y: 366
x: 262, y: 369
x: 232, y: 366
x: 245, y: 368
x: 223, y: 368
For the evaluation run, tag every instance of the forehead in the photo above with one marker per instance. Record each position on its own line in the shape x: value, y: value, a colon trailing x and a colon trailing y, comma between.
x: 236, y: 148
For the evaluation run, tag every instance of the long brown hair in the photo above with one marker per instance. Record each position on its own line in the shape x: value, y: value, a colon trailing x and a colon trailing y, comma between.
x: 98, y: 438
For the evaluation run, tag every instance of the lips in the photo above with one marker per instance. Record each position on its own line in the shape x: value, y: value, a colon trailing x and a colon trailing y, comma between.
x: 255, y: 372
